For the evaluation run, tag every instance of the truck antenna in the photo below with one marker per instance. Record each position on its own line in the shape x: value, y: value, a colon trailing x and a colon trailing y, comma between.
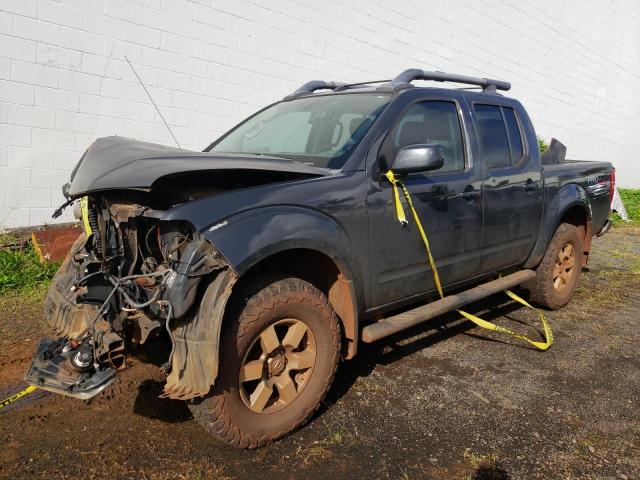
x: 154, y: 103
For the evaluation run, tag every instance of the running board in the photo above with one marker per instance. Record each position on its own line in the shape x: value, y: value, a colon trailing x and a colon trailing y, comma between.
x: 397, y: 323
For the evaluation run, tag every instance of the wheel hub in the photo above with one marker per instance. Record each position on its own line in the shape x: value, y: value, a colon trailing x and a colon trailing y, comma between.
x: 276, y: 364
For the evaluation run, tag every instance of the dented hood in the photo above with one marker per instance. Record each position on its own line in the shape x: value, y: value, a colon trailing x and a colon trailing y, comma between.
x: 123, y: 163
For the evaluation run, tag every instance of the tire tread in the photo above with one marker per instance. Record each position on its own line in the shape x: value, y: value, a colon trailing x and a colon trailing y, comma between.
x: 213, y: 415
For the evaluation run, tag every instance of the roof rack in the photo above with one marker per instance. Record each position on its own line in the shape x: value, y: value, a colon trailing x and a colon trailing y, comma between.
x: 405, y: 78
x: 403, y: 81
x: 312, y: 86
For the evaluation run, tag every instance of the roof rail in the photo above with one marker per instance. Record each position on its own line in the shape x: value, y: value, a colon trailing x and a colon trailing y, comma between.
x: 312, y: 86
x: 405, y: 78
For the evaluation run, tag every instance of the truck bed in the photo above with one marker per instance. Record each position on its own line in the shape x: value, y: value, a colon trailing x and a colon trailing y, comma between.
x: 592, y: 176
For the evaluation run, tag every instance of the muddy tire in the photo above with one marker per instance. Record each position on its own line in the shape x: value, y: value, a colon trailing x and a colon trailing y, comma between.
x: 558, y: 272
x: 278, y: 358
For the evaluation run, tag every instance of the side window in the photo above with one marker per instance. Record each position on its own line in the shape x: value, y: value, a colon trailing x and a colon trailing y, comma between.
x: 515, y: 136
x: 493, y: 136
x: 431, y: 121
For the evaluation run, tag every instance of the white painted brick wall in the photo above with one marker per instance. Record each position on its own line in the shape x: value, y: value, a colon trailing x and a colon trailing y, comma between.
x: 209, y: 63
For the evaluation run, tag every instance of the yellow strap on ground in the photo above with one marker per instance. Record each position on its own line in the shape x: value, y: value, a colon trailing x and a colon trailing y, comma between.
x: 17, y: 396
x: 548, y: 334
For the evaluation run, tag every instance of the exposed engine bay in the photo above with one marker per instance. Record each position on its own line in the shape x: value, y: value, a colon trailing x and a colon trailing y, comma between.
x: 129, y: 276
x: 138, y: 270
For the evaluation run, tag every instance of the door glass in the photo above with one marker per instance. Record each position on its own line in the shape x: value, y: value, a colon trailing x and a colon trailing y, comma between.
x: 431, y: 121
x: 493, y: 136
x: 515, y: 136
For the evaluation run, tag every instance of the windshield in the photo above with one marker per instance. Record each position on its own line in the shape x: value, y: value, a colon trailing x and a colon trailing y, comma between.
x: 321, y: 131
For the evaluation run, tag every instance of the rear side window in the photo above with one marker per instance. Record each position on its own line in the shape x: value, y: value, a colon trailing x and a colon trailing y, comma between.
x: 431, y: 121
x: 500, y: 135
x: 515, y: 137
x: 493, y: 136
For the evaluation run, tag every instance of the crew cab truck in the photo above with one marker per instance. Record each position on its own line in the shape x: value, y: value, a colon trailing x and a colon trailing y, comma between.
x: 268, y: 257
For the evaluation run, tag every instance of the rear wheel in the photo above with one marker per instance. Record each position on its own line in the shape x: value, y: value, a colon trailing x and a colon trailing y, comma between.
x: 558, y: 272
x: 277, y: 362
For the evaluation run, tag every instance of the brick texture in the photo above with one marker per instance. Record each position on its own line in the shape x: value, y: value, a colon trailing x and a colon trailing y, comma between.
x: 209, y: 63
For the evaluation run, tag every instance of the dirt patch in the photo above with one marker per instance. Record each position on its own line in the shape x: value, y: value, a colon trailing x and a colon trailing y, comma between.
x: 443, y: 401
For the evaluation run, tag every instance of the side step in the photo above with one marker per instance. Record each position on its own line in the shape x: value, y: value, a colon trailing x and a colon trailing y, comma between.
x: 397, y: 323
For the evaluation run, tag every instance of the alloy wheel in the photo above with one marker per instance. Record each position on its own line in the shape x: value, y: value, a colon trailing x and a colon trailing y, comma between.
x: 563, y: 269
x: 277, y: 366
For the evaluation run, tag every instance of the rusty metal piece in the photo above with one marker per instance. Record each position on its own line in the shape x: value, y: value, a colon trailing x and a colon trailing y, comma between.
x: 145, y: 281
x: 122, y: 212
x: 53, y: 243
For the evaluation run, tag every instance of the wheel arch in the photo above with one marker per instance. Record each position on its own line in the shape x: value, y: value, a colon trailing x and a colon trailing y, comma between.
x: 579, y: 215
x: 330, y: 276
x: 569, y: 205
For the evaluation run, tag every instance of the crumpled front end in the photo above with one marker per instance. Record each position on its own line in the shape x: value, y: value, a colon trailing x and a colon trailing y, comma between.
x: 128, y: 278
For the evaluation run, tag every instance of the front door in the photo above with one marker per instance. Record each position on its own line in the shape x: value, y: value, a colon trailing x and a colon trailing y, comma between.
x: 448, y: 201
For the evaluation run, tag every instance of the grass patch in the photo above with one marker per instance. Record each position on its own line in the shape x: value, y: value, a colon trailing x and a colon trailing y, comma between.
x: 336, y: 438
x: 608, y: 289
x: 20, y: 267
x: 631, y: 199
x: 542, y: 145
x: 313, y: 454
x: 320, y: 450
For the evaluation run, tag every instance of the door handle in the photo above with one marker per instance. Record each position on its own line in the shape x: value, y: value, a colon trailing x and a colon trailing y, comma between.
x: 469, y: 194
x: 530, y: 185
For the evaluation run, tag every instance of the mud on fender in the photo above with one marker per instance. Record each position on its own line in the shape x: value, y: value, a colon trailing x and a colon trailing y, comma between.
x: 196, y: 337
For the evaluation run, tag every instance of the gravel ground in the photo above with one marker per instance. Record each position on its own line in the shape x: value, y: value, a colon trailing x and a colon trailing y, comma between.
x: 445, y: 401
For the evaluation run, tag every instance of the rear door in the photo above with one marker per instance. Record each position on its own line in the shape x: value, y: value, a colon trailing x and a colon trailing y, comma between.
x: 448, y: 202
x: 512, y: 190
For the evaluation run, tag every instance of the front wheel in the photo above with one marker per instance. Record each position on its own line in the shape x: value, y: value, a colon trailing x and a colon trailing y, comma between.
x: 558, y: 272
x: 278, y: 358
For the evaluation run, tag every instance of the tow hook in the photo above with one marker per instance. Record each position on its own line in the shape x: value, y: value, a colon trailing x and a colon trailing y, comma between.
x: 68, y: 368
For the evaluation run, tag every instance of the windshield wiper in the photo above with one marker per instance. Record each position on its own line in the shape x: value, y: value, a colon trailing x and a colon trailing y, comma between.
x: 259, y: 154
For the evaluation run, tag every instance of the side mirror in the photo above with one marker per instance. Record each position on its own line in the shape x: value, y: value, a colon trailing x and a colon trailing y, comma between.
x: 418, y: 158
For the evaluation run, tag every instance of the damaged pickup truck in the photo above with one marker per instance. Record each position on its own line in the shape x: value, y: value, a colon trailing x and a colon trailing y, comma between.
x: 268, y: 257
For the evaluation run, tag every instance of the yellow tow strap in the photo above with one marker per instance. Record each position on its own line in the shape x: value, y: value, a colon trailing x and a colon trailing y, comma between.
x: 84, y: 209
x: 548, y: 334
x: 17, y: 396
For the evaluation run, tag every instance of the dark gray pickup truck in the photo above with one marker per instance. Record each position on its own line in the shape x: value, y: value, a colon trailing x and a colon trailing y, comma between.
x: 265, y: 259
